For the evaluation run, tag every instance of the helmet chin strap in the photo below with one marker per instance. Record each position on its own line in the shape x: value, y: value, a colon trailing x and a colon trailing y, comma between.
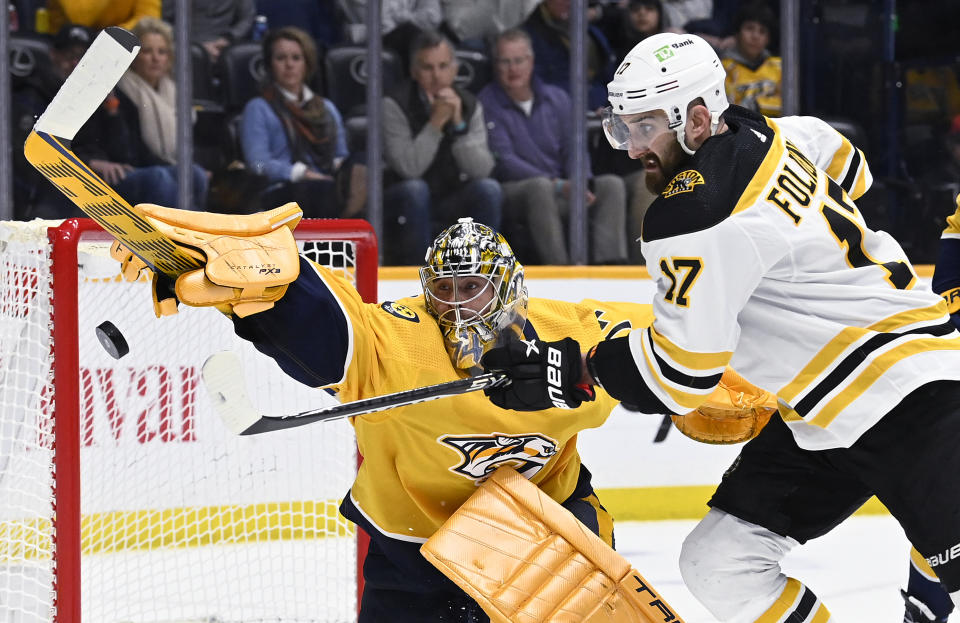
x: 681, y: 132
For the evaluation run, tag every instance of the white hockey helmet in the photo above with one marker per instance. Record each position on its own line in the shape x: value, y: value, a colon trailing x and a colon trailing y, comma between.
x: 665, y: 72
x: 469, y: 249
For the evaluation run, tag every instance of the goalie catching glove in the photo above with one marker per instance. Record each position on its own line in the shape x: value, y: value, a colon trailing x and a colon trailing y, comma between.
x: 543, y: 375
x: 736, y: 411
x: 248, y: 261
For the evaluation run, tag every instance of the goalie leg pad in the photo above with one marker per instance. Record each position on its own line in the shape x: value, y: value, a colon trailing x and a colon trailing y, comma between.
x: 526, y: 559
x: 248, y: 260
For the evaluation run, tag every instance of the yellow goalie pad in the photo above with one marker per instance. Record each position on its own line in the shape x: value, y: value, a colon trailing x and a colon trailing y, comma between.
x: 526, y: 559
x: 247, y: 260
x: 736, y: 411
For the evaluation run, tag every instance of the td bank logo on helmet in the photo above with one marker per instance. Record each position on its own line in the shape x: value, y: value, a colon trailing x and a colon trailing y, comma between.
x: 554, y: 379
x: 667, y: 51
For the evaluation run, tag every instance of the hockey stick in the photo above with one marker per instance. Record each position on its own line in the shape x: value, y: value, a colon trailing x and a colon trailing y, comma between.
x: 223, y: 378
x: 48, y: 149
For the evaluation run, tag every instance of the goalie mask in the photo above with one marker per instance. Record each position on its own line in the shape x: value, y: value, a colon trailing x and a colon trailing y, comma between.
x: 473, y: 286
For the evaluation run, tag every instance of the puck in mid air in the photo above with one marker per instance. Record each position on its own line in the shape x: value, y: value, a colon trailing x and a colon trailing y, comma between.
x: 112, y: 340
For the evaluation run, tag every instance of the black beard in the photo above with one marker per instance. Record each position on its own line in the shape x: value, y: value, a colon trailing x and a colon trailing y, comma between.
x: 655, y: 181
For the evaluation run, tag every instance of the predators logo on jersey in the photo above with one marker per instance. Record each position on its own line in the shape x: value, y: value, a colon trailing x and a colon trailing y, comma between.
x: 683, y: 182
x: 484, y: 454
x: 400, y: 311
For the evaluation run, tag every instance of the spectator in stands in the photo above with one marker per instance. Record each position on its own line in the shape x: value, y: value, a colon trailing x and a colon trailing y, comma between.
x: 296, y: 138
x: 401, y: 21
x: 33, y: 195
x: 626, y: 26
x: 215, y: 24
x: 146, y: 105
x: 98, y: 14
x: 549, y: 29
x: 474, y: 23
x: 718, y: 29
x: 754, y: 76
x: 321, y: 19
x: 678, y: 13
x: 533, y: 159
x: 435, y: 147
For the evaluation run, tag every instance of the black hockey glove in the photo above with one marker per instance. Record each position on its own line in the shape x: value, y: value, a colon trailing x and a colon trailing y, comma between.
x: 544, y: 375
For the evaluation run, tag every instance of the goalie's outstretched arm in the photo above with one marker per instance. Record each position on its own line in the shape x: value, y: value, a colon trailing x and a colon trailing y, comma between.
x: 251, y: 270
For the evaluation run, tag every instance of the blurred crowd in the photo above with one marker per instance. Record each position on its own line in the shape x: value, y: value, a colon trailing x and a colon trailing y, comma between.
x: 475, y: 115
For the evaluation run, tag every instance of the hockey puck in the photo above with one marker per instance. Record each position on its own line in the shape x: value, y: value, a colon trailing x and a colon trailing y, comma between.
x: 112, y: 340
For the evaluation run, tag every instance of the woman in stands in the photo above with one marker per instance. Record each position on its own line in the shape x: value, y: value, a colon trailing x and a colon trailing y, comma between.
x: 297, y: 138
x: 142, y: 165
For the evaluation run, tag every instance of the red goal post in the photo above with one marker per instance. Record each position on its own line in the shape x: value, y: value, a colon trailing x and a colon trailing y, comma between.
x: 124, y: 498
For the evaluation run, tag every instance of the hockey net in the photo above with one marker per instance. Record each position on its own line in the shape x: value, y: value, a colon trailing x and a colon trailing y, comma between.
x: 122, y: 496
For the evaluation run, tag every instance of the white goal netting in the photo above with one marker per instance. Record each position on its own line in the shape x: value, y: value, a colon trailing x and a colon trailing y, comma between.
x: 120, y: 472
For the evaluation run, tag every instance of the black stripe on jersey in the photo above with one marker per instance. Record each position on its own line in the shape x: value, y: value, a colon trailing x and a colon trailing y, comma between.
x: 858, y: 356
x: 727, y: 162
x: 851, y: 177
x: 804, y: 608
x: 682, y: 378
x: 622, y: 380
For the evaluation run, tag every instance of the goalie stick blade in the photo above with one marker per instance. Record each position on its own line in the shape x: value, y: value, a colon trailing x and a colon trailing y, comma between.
x: 51, y: 157
x: 47, y: 149
x: 88, y: 85
x: 223, y: 379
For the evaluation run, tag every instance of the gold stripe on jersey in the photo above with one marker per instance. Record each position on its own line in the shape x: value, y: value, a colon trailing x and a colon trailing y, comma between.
x: 688, y: 359
x: 687, y: 400
x: 839, y: 161
x: 832, y: 350
x: 878, y: 366
x: 764, y: 172
x: 860, y: 186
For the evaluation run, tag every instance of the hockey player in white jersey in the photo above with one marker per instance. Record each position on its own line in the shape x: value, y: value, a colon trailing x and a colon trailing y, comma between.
x: 763, y: 262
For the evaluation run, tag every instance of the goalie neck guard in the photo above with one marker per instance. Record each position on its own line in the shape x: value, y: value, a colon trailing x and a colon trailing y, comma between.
x: 473, y: 286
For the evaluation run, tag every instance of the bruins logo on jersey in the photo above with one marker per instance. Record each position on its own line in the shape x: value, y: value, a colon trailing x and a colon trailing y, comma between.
x: 683, y: 182
x: 400, y: 311
x: 484, y: 454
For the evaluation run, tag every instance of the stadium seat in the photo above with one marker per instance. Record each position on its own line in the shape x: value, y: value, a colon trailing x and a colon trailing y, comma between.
x: 243, y: 74
x: 27, y: 52
x: 346, y: 76
x: 474, y: 71
x: 205, y: 83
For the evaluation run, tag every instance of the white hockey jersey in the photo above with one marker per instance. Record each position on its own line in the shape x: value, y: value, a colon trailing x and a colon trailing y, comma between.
x: 763, y: 262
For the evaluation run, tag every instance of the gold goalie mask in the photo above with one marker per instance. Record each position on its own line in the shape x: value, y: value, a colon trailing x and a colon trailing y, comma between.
x: 473, y: 286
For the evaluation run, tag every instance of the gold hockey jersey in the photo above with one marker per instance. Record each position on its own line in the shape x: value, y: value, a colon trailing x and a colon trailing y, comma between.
x: 763, y: 262
x: 422, y: 461
x: 756, y: 88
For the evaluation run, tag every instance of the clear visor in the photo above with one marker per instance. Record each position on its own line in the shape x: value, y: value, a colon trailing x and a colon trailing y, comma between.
x: 634, y: 132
